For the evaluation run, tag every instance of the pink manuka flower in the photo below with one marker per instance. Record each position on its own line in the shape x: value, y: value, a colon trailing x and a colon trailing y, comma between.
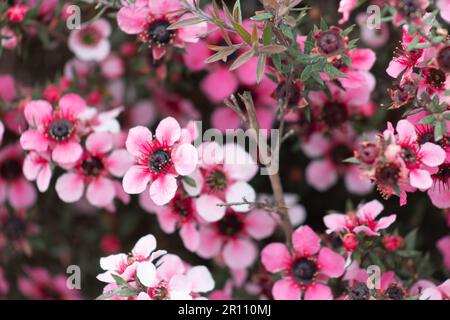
x: 94, y: 170
x: 15, y: 230
x: 441, y: 292
x: 222, y: 177
x: 90, y: 42
x: 305, y: 271
x: 4, y: 285
x: 330, y: 153
x: 416, y: 157
x: 7, y: 88
x: 14, y: 188
x: 158, y: 161
x: 363, y: 220
x: 54, y: 130
x: 231, y: 237
x: 149, y: 19
x: 346, y: 7
x: 39, y: 284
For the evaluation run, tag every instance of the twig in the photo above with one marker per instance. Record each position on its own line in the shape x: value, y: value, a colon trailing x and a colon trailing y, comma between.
x: 254, y: 204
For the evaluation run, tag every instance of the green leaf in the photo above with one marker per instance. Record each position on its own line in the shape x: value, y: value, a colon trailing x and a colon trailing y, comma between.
x: 267, y: 34
x: 306, y: 74
x: 408, y: 253
x: 120, y: 281
x: 186, y: 22
x: 348, y: 30
x: 427, y: 120
x: 189, y: 181
x: 351, y: 160
x: 323, y: 24
x: 287, y: 31
x: 410, y: 239
x: 439, y: 131
x: 262, y: 16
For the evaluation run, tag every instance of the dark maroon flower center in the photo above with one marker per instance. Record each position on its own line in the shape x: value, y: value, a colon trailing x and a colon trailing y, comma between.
x: 291, y: 91
x: 394, y: 292
x: 216, y: 181
x: 230, y: 225
x: 11, y: 169
x: 330, y: 42
x: 334, y: 114
x: 303, y: 270
x: 443, y: 59
x: 182, y: 205
x: 443, y: 175
x: 49, y: 293
x: 409, y: 156
x: 14, y: 228
x: 359, y: 292
x: 388, y: 174
x: 409, y: 8
x: 158, y: 33
x: 339, y: 153
x: 60, y: 129
x: 160, y: 293
x: 92, y: 166
x: 159, y: 160
x: 368, y: 152
x: 427, y: 136
x: 436, y: 77
x: 89, y: 36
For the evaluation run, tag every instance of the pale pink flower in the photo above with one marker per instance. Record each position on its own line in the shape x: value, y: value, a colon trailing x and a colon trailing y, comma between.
x: 90, y: 42
x: 346, y: 7
x: 441, y: 292
x: 444, y: 9
x: 158, y: 161
x: 9, y: 39
x: 112, y: 67
x: 305, y: 271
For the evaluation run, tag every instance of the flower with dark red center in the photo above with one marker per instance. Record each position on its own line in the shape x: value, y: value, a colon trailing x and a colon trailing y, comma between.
x: 394, y: 292
x: 158, y: 161
x: 359, y: 291
x: 304, y: 271
x: 55, y: 130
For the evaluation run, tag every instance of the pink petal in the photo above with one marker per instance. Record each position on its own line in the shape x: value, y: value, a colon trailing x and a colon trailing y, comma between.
x: 185, y: 159
x: 21, y: 194
x: 240, y: 192
x: 305, y: 241
x: 316, y: 145
x: 135, y: 180
x: 132, y: 20
x: 318, y: 291
x: 406, y: 131
x: 144, y: 246
x: 385, y: 222
x: 334, y: 222
x: 168, y: 131
x: 201, y: 278
x: 321, y: 174
x: 259, y: 224
x: 330, y: 263
x: 228, y: 84
x: 207, y: 207
x: 163, y: 189
x: 362, y: 59
x: 119, y: 162
x: 239, y: 253
x: 275, y: 257
x: 100, y: 192
x: 138, y: 138
x: 113, y: 262
x: 285, y: 290
x: 238, y: 164
x: 370, y: 210
x: 37, y: 111
x: 356, y: 182
x: 33, y: 140
x: 44, y: 177
x: 99, y: 143
x: 67, y: 152
x: 395, y: 68
x: 420, y: 179
x: 180, y: 288
x: 190, y: 236
x: 210, y: 243
x: 72, y: 104
x: 432, y: 155
x: 169, y: 266
x: 70, y: 187
x: 191, y: 34
x: 146, y: 272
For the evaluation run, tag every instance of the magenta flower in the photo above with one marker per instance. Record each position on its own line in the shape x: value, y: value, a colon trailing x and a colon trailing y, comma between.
x: 364, y: 220
x: 14, y: 188
x: 90, y: 42
x: 54, y: 130
x: 231, y: 237
x: 158, y: 161
x: 149, y: 19
x: 94, y: 171
x: 305, y: 270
